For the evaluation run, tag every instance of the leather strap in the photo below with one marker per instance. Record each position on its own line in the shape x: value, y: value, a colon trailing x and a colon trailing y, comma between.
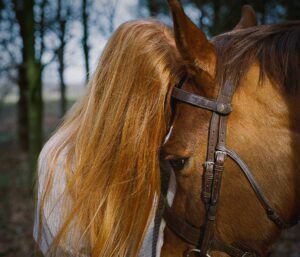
x: 180, y: 227
x: 191, y: 235
x: 210, y: 160
x: 271, y: 213
x: 213, y: 170
x: 215, y: 139
x: 202, y: 102
x: 231, y: 250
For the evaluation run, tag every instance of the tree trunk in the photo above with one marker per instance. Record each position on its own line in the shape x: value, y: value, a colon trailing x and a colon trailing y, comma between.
x: 85, y: 37
x: 35, y: 112
x: 23, y: 109
x: 153, y: 7
x: 216, y: 21
x: 293, y: 8
x: 61, y: 68
x: 33, y: 71
x: 62, y: 22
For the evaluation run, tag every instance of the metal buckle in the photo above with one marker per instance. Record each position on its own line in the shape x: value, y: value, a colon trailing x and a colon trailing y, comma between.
x: 195, y: 251
x: 223, y: 108
x: 207, y: 163
x: 220, y: 152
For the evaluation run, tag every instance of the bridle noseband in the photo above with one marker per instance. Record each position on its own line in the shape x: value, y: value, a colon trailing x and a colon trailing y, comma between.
x: 205, y: 240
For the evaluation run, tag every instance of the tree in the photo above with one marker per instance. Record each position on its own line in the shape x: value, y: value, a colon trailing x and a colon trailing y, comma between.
x: 291, y: 8
x: 32, y: 70
x: 96, y: 18
x: 218, y: 16
x: 12, y: 68
x: 85, y: 37
x: 62, y: 18
x: 153, y: 7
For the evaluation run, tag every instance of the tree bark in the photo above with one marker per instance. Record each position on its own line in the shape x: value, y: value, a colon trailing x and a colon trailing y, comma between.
x: 23, y: 109
x: 60, y: 54
x: 153, y: 7
x: 292, y: 8
x: 35, y: 112
x: 85, y: 38
x: 63, y: 99
x: 33, y: 71
x: 216, y: 21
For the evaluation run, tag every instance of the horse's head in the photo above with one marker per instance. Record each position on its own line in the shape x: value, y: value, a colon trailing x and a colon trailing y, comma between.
x: 258, y: 129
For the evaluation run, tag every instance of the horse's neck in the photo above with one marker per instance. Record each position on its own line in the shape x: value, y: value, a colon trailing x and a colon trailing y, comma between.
x: 265, y: 127
x: 264, y: 130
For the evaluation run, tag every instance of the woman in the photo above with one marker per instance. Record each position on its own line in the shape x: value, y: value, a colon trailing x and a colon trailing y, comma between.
x: 98, y: 176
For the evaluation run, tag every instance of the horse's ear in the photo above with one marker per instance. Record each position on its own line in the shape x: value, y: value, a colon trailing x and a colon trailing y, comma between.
x: 248, y: 18
x: 191, y: 42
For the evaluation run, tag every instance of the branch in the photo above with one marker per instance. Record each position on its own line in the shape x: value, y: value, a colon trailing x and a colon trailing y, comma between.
x: 42, y: 29
x: 50, y: 61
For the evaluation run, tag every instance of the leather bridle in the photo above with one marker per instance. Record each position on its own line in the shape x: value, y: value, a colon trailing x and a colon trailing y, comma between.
x: 205, y: 240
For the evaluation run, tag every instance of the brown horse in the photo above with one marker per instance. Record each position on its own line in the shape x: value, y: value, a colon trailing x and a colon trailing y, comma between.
x: 98, y: 176
x: 262, y: 63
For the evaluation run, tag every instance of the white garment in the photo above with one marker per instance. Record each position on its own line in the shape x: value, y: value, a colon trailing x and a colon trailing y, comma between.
x: 51, y: 215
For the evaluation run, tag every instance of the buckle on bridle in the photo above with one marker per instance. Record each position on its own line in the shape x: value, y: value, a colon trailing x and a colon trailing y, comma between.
x: 223, y: 108
x: 220, y: 152
x: 208, y: 164
x: 189, y: 252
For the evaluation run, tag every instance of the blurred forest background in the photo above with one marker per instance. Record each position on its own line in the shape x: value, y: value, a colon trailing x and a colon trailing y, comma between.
x: 48, y: 49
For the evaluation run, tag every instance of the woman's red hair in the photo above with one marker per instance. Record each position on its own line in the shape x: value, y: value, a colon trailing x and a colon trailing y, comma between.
x: 112, y: 139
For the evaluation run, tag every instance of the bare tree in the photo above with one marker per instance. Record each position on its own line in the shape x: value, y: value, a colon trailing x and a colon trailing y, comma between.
x: 111, y: 8
x: 104, y: 16
x: 153, y: 7
x: 85, y: 37
x: 99, y: 16
x: 12, y: 67
x: 63, y: 16
x: 31, y: 72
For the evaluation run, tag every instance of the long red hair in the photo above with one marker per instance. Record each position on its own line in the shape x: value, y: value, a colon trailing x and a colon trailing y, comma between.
x: 111, y: 141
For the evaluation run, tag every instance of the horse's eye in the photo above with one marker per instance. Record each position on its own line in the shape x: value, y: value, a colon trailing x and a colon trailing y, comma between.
x: 178, y: 163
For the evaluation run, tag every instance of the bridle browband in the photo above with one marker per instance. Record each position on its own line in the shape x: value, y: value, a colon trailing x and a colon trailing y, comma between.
x: 205, y: 240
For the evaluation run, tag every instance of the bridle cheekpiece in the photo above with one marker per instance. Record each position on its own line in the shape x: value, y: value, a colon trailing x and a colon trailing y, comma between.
x: 205, y: 240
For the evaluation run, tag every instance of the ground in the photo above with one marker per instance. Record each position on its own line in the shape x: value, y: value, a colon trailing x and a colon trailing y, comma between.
x: 16, y: 199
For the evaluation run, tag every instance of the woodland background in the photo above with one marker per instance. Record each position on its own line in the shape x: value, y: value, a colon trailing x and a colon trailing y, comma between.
x: 48, y: 49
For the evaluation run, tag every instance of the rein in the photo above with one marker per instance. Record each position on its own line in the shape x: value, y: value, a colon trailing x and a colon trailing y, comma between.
x: 205, y: 239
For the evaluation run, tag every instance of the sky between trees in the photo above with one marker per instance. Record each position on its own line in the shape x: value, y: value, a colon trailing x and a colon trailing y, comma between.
x: 59, y: 42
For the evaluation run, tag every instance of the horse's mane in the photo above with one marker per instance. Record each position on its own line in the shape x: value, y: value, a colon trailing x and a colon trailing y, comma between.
x: 112, y: 142
x: 275, y: 47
